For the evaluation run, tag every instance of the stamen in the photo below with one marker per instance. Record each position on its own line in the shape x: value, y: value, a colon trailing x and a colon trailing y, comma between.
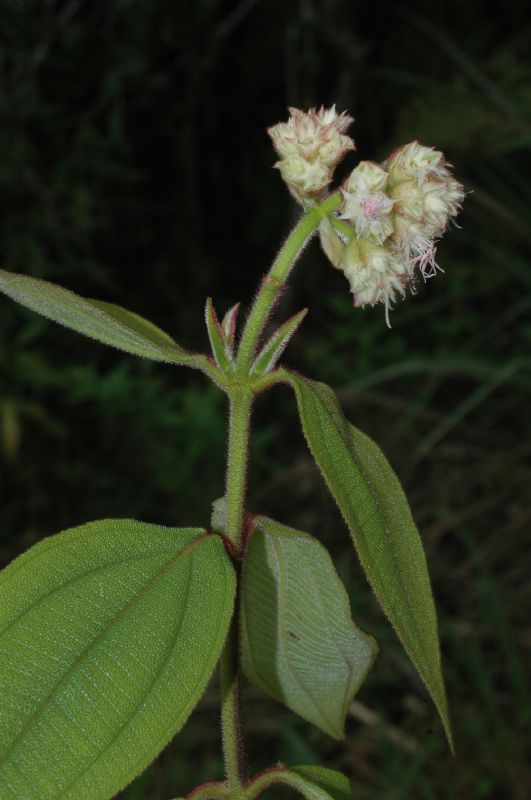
x: 425, y: 260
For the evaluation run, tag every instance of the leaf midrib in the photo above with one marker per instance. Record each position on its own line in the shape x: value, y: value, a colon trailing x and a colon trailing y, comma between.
x: 389, y: 538
x: 71, y: 582
x: 282, y: 613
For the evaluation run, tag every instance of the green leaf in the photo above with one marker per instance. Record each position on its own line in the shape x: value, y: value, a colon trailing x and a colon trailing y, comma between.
x: 269, y: 355
x: 218, y: 341
x: 377, y: 513
x: 228, y: 325
x: 109, y: 633
x: 104, y: 322
x: 298, y: 640
x: 323, y: 783
x: 312, y: 781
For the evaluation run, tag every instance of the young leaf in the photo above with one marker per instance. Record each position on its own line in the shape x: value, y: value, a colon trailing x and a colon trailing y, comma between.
x: 109, y: 633
x: 104, y: 322
x: 269, y: 355
x: 298, y: 640
x: 218, y: 342
x: 377, y: 513
x: 322, y: 783
x: 229, y: 326
x: 312, y: 782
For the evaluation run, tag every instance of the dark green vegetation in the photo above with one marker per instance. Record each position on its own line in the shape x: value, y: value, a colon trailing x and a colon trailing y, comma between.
x: 135, y: 168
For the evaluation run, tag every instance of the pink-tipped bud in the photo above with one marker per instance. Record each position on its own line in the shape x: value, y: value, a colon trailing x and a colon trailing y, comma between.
x: 310, y: 145
x: 415, y: 161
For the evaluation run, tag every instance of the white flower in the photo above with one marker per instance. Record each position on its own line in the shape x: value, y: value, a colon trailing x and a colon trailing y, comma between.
x: 365, y: 204
x: 398, y: 210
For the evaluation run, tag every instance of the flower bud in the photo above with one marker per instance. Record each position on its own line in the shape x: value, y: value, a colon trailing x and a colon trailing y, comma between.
x: 442, y: 199
x: 303, y: 177
x: 421, y: 214
x: 375, y: 273
x: 414, y: 161
x: 368, y: 177
x: 310, y: 145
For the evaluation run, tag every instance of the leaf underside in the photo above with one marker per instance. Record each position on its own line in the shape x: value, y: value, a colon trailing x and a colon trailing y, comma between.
x: 387, y: 541
x: 109, y: 634
x: 298, y: 640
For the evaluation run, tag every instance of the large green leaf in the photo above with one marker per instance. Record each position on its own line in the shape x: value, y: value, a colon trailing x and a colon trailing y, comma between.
x: 109, y: 634
x: 105, y: 322
x: 377, y: 513
x: 298, y: 640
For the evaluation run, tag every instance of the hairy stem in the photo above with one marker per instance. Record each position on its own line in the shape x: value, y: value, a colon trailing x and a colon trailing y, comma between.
x: 233, y: 748
x: 231, y: 723
x: 241, y: 399
x: 275, y: 279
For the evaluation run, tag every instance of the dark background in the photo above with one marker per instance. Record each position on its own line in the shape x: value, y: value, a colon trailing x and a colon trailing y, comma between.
x: 135, y: 167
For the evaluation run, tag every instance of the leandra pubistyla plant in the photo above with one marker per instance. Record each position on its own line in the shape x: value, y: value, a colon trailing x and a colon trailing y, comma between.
x: 110, y: 632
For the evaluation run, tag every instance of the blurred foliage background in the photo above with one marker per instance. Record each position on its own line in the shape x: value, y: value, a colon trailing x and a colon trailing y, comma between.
x: 135, y: 167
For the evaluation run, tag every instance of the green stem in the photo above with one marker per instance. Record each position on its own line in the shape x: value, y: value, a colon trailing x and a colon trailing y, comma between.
x: 271, y: 776
x: 275, y: 279
x: 241, y: 399
x: 241, y: 394
x: 231, y: 724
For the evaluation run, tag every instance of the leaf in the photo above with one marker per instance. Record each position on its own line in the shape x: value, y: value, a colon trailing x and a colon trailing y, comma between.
x: 218, y: 342
x: 322, y: 783
x: 269, y: 355
x: 298, y: 640
x: 105, y: 322
x: 228, y: 325
x: 109, y: 633
x: 312, y: 781
x: 376, y: 510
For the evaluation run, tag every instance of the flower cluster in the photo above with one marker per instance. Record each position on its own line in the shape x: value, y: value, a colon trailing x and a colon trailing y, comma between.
x: 391, y: 215
x: 310, y: 145
x: 397, y: 211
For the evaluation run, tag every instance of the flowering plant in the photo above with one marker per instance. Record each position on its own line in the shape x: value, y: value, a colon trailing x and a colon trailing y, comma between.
x: 109, y: 632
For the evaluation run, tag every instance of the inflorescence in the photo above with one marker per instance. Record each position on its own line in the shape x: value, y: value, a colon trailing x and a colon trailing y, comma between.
x: 391, y: 215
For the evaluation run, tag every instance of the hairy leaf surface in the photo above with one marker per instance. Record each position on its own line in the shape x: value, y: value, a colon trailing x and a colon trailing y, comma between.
x: 298, y: 641
x: 271, y: 352
x: 109, y: 633
x: 377, y: 513
x: 221, y: 349
x: 105, y: 322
